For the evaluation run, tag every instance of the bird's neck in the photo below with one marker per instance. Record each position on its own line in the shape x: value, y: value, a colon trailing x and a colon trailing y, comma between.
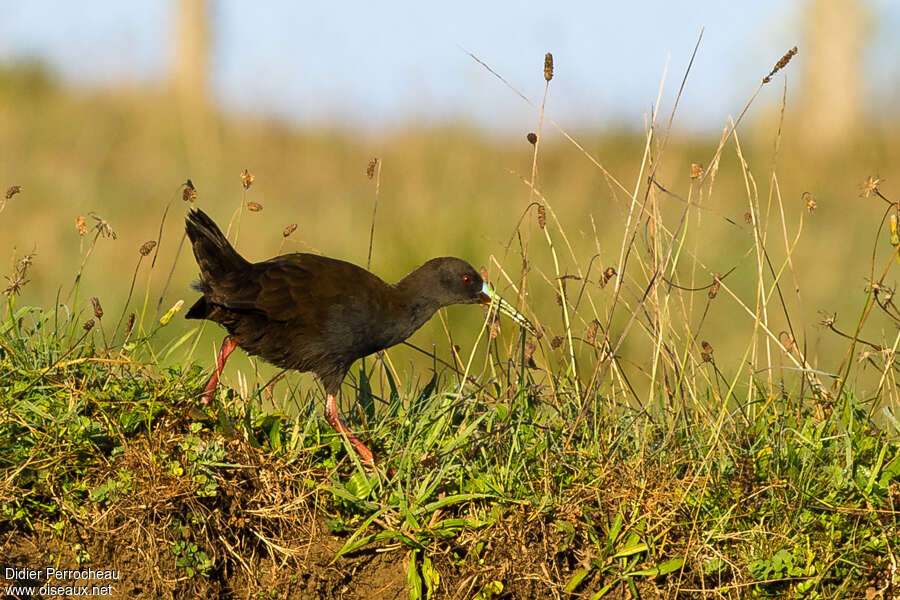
x: 413, y: 295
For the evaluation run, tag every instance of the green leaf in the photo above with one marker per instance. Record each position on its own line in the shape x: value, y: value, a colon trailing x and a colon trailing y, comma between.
x: 603, y: 591
x: 413, y: 579
x: 428, y: 390
x: 630, y: 550
x: 364, y: 395
x: 431, y: 577
x: 614, y: 529
x: 576, y: 580
x: 494, y: 588
x: 275, y: 434
x: 449, y: 501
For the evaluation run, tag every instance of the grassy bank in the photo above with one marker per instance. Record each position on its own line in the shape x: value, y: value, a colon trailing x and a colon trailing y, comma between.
x: 502, y: 488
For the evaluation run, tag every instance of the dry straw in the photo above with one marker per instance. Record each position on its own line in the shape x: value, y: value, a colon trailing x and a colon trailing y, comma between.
x: 373, y: 170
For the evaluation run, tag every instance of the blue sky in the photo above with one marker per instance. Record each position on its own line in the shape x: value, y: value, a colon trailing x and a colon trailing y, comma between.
x: 376, y: 65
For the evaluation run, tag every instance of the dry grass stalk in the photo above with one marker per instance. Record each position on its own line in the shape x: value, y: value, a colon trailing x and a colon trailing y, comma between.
x: 373, y: 169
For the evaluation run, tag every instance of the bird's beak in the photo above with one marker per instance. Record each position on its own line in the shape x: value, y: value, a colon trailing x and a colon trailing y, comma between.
x: 490, y: 297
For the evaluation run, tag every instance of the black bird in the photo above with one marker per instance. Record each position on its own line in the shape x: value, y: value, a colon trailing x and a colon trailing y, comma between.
x: 313, y: 313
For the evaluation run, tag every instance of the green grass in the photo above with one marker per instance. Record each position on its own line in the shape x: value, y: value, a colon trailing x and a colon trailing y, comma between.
x: 797, y: 500
x: 681, y: 428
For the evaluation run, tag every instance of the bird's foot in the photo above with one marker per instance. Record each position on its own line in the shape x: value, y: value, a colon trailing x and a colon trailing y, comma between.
x: 334, y: 419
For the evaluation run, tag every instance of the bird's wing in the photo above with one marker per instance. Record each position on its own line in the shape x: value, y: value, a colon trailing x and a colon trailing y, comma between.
x: 293, y: 287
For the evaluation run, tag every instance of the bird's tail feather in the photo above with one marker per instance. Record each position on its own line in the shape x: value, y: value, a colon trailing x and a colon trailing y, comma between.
x: 214, y: 253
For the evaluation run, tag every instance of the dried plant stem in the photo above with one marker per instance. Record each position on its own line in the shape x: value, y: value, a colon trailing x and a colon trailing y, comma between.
x: 128, y: 298
x: 559, y: 280
x: 465, y: 374
x: 562, y: 131
x: 565, y: 309
x: 374, y: 211
x: 236, y: 216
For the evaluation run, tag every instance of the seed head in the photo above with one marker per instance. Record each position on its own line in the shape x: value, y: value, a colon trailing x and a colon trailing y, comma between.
x: 254, y: 206
x: 289, y: 229
x: 608, y: 274
x: 696, y: 170
x: 542, y: 216
x: 103, y: 227
x: 870, y: 187
x: 707, y: 351
x: 495, y: 329
x: 19, y: 277
x: 189, y: 194
x: 16, y: 283
x: 782, y: 63
x: 810, y: 202
x: 88, y: 325
x: 529, y: 355
x: 592, y: 331
x: 147, y: 247
x: 129, y: 325
x: 714, y: 288
x: 531, y: 137
x: 828, y: 319
x: 556, y: 342
x: 529, y: 350
x: 548, y: 66
x: 81, y: 226
x: 748, y: 218
x: 247, y: 179
x: 12, y: 191
x: 98, y: 310
x: 370, y: 169
x: 787, y: 340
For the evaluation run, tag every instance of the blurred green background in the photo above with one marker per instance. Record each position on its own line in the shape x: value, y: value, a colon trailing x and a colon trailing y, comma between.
x: 454, y: 187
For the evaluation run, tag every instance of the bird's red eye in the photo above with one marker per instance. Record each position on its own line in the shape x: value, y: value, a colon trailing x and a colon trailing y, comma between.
x: 467, y: 279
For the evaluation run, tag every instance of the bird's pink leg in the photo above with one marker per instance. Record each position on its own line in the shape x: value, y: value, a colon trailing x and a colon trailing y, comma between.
x: 334, y: 419
x: 228, y: 346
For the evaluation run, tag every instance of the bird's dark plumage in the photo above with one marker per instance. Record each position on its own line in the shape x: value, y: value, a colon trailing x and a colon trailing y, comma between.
x: 313, y: 313
x: 319, y: 314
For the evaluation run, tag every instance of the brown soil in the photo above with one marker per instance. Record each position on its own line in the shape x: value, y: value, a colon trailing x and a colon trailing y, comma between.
x: 266, y: 536
x: 519, y: 557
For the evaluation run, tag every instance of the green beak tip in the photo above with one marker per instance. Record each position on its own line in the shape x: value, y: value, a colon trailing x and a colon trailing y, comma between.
x: 506, y: 308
